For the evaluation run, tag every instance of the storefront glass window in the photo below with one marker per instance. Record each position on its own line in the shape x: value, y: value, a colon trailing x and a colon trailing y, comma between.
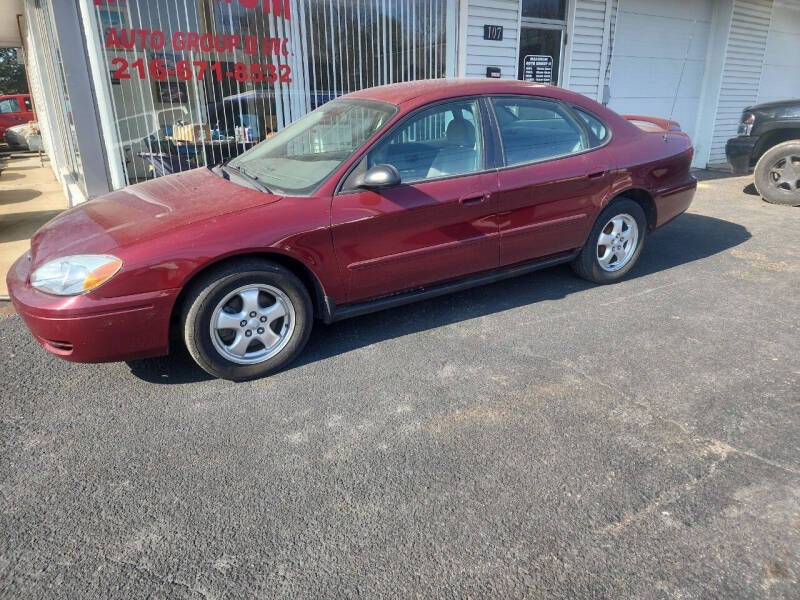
x: 53, y: 79
x: 196, y: 82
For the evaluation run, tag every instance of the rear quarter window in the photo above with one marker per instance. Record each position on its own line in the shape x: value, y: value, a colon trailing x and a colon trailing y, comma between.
x: 598, y: 131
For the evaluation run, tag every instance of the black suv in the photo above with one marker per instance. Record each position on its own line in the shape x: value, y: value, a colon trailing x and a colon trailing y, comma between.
x: 769, y: 139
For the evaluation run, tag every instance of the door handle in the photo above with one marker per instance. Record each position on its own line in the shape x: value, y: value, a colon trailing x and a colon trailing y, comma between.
x: 466, y: 200
x: 597, y: 175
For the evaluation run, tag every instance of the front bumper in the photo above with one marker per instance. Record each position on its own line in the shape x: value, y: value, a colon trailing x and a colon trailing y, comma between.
x: 739, y: 151
x: 91, y: 329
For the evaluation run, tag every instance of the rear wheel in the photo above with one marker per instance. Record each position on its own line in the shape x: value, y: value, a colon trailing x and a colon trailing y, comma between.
x: 777, y: 174
x: 246, y: 320
x: 614, y: 244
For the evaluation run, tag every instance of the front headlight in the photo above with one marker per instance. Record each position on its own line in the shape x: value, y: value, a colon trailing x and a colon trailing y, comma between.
x: 746, y: 124
x: 73, y: 275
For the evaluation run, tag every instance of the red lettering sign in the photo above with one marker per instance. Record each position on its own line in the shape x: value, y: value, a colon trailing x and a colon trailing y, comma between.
x: 279, y: 7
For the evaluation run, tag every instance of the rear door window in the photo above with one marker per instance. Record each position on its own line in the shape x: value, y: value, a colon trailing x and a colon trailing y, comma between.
x: 534, y: 129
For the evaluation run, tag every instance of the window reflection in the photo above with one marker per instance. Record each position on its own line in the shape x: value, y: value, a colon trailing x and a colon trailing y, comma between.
x: 545, y: 9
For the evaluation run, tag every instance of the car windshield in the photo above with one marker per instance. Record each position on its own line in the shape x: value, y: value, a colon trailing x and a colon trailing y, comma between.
x: 299, y: 158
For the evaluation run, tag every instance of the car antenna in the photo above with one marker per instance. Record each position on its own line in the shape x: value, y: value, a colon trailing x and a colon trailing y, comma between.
x: 683, y: 68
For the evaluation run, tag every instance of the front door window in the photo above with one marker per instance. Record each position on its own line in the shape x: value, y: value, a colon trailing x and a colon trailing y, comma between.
x: 439, y: 142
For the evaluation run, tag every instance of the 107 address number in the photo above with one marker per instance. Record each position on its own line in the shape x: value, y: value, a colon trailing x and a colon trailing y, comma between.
x: 186, y: 70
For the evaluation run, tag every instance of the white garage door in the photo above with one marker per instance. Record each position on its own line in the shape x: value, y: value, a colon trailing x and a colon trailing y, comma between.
x: 780, y: 78
x: 659, y: 58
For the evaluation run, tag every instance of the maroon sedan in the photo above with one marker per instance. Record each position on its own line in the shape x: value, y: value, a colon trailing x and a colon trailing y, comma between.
x: 378, y: 198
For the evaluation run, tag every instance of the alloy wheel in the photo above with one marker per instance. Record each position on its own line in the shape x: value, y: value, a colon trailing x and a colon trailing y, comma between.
x: 252, y: 324
x: 617, y: 242
x: 784, y: 173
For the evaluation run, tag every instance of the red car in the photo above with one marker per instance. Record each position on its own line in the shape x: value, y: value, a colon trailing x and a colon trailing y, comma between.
x: 378, y: 198
x: 15, y: 109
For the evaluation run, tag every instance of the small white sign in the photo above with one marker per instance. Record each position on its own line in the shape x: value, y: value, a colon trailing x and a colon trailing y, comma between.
x: 538, y: 68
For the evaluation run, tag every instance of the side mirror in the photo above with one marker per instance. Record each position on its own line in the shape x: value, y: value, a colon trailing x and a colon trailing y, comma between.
x: 379, y: 176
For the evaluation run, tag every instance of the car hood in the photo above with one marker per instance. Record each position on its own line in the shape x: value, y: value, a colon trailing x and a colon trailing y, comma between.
x: 142, y: 211
x: 777, y: 108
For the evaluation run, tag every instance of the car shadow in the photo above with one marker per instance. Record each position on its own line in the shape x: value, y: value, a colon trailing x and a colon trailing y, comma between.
x: 688, y: 238
x: 18, y: 195
x: 22, y: 226
x: 11, y: 177
x: 712, y: 174
x: 750, y: 190
x: 178, y: 367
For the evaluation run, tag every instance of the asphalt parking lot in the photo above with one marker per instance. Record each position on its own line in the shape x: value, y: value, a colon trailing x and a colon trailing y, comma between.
x: 541, y: 437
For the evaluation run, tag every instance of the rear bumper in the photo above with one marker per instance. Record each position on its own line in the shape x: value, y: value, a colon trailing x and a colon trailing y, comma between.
x: 739, y: 152
x: 89, y: 329
x: 674, y: 201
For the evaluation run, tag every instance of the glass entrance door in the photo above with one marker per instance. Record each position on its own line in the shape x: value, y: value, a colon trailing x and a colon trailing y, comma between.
x: 541, y: 44
x: 540, y: 55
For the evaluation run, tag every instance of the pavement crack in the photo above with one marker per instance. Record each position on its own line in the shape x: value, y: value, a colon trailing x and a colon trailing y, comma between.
x: 667, y: 497
x: 155, y: 576
x: 718, y: 446
x: 722, y: 448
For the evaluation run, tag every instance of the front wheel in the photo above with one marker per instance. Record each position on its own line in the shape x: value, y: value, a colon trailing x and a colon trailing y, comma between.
x: 777, y: 174
x: 614, y: 244
x: 247, y: 319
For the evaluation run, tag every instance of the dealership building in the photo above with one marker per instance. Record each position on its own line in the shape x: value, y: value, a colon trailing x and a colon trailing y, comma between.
x: 127, y: 90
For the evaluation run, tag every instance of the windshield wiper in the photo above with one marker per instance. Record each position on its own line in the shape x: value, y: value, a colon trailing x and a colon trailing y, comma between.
x: 219, y: 171
x: 252, y: 179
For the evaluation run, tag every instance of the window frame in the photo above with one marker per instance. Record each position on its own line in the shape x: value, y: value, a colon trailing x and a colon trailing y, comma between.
x: 487, y: 130
x: 567, y: 107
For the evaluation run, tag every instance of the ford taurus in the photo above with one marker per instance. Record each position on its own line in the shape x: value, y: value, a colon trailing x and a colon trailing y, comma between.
x: 378, y: 198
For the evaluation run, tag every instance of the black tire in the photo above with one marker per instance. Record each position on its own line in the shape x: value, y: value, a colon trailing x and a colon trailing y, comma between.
x: 770, y: 179
x: 587, y: 265
x: 206, y: 294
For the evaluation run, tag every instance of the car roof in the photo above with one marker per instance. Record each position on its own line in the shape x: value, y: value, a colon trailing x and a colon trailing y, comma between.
x: 428, y: 90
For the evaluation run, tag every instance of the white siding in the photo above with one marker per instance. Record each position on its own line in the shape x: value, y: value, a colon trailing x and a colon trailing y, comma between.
x: 741, y: 74
x: 659, y: 58
x: 587, y: 67
x: 482, y: 53
x: 780, y: 78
